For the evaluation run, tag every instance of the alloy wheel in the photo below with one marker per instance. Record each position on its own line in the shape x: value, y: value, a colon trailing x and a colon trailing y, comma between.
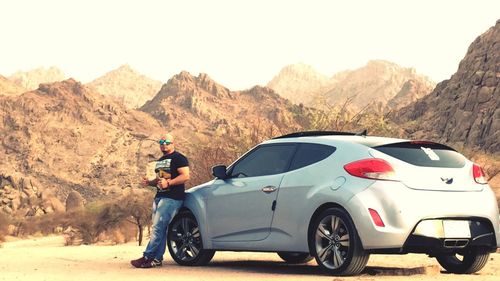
x: 185, y: 239
x: 332, y: 241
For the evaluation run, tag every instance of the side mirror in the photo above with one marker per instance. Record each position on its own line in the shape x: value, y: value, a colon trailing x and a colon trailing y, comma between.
x: 219, y: 171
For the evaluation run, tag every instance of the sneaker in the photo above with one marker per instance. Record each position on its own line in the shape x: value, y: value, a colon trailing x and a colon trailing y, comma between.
x: 151, y: 263
x: 138, y: 262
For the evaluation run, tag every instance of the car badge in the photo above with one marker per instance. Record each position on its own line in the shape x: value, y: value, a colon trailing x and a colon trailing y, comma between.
x: 447, y: 180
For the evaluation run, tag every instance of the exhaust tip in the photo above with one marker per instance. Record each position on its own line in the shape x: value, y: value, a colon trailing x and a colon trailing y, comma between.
x: 455, y: 243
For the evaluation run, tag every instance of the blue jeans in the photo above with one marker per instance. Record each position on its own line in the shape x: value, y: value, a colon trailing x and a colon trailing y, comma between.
x: 164, y: 210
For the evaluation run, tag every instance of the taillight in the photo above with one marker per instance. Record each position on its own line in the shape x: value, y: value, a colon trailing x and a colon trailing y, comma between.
x: 478, y: 174
x: 376, y: 169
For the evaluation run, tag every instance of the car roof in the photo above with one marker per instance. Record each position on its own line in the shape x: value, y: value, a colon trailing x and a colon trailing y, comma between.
x: 369, y: 141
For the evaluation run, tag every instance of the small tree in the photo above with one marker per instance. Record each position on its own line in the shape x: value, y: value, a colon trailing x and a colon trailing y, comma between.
x: 137, y: 210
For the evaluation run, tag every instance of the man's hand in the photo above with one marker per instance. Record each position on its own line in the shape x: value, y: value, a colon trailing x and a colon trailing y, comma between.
x: 145, y: 182
x: 163, y: 183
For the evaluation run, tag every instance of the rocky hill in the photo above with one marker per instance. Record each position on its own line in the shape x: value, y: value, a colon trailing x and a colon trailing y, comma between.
x: 9, y: 88
x: 300, y: 83
x: 202, y: 108
x: 33, y: 78
x: 466, y: 108
x: 64, y: 137
x: 380, y: 84
x: 127, y: 86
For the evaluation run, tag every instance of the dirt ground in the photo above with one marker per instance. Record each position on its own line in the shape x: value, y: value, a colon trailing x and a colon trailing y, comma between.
x: 47, y: 259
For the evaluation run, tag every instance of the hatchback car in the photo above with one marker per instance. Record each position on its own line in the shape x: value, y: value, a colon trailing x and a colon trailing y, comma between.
x: 339, y: 197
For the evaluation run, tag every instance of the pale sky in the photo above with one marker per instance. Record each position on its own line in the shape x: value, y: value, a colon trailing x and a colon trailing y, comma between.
x: 238, y: 43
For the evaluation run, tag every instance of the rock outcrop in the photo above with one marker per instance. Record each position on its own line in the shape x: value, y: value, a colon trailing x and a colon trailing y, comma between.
x: 466, y: 108
x: 64, y: 137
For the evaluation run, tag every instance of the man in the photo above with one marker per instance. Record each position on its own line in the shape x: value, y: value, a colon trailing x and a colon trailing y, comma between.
x: 172, y: 171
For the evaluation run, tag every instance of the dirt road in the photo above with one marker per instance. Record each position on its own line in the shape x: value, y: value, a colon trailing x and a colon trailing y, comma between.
x: 46, y: 259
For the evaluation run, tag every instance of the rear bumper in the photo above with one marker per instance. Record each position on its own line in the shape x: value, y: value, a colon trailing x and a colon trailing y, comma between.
x: 481, y: 235
x: 402, y: 208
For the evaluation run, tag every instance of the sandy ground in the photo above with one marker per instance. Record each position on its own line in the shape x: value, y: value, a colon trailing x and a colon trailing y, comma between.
x: 47, y: 259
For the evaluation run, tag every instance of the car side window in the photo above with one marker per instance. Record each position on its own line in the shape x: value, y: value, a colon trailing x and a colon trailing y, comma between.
x: 310, y: 153
x: 265, y: 160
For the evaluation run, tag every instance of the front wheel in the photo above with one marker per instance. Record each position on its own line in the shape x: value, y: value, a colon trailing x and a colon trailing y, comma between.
x: 335, y: 243
x: 184, y: 242
x: 466, y: 263
x: 295, y: 257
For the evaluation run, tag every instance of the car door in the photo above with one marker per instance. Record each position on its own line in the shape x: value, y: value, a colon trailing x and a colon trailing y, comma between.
x: 241, y: 207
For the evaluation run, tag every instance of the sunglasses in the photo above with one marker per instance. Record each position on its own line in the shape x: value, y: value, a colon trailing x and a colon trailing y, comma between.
x: 165, y: 142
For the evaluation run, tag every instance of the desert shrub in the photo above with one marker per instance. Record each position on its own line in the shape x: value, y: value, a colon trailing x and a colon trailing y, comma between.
x: 4, y: 226
x: 89, y: 223
x: 49, y: 223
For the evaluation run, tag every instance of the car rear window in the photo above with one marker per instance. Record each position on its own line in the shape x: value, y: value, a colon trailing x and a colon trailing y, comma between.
x: 425, y: 154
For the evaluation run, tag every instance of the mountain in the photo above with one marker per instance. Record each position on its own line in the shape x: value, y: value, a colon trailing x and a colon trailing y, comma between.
x: 32, y: 78
x: 410, y: 92
x: 201, y: 107
x: 65, y: 137
x: 464, y: 109
x: 127, y: 86
x: 300, y: 83
x: 379, y: 84
x: 9, y: 88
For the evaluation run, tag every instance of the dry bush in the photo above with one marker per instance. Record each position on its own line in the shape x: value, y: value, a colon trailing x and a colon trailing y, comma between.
x: 127, y: 232
x: 89, y: 224
x: 118, y: 222
x: 49, y: 223
x: 4, y: 226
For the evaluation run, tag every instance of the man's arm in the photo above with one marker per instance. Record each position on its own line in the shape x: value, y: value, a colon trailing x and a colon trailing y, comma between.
x: 183, y: 176
x: 146, y: 182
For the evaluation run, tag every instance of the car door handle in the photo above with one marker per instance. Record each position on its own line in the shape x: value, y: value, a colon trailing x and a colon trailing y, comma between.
x: 269, y: 189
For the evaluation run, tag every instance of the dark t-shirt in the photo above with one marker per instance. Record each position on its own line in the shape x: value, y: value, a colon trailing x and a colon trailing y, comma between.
x: 166, y: 167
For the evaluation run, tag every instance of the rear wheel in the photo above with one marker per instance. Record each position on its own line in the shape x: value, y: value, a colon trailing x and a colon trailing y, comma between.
x: 467, y: 263
x: 295, y: 257
x: 335, y: 243
x: 184, y: 242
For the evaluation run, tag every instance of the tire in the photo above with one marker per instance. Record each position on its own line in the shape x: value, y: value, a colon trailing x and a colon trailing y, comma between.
x: 470, y: 262
x: 295, y: 257
x: 335, y: 244
x: 184, y: 242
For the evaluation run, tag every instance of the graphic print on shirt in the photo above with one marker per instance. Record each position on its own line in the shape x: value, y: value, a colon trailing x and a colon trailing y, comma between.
x: 162, y: 169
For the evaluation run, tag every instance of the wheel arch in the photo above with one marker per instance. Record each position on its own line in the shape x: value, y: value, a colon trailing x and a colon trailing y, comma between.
x: 191, y: 207
x: 317, y: 212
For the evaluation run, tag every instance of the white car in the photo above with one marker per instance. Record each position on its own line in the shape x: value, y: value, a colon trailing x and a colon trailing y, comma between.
x: 339, y: 197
